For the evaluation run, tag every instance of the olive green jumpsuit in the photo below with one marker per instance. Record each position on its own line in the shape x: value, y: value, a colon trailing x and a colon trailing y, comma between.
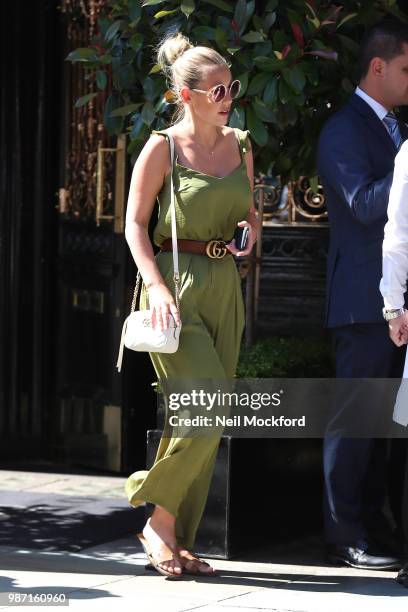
x: 212, y: 315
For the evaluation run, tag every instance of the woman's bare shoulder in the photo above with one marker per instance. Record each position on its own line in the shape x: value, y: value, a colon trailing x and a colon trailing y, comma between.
x: 156, y: 147
x: 226, y: 130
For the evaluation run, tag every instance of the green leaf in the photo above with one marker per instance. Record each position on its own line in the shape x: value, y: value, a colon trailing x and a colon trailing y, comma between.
x: 263, y: 49
x: 113, y: 30
x: 315, y: 22
x: 237, y: 118
x: 269, y: 21
x: 346, y: 18
x: 283, y: 164
x: 269, y: 64
x: 101, y: 79
x: 151, y: 2
x: 279, y: 40
x: 243, y: 78
x: 160, y: 105
x: 83, y: 54
x: 84, y: 100
x: 349, y: 44
x: 152, y: 88
x: 264, y: 113
x: 250, y: 9
x: 103, y: 24
x: 124, y: 77
x: 114, y: 125
x: 271, y: 92
x: 220, y: 4
x: 294, y: 54
x: 272, y: 4
x: 258, y: 23
x: 148, y: 113
x: 311, y: 9
x: 136, y: 42
x: 137, y: 127
x: 314, y: 184
x: 135, y: 10
x: 259, y: 133
x: 299, y: 99
x: 187, y: 7
x: 240, y: 15
x: 162, y: 14
x: 156, y: 68
x: 203, y: 33
x: 253, y: 37
x: 122, y: 111
x: 295, y: 78
x: 311, y: 72
x: 106, y: 58
x: 221, y: 38
x: 258, y: 83
x: 288, y: 113
x: 285, y: 93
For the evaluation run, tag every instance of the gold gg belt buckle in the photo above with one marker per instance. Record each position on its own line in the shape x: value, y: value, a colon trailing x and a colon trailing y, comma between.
x: 216, y: 249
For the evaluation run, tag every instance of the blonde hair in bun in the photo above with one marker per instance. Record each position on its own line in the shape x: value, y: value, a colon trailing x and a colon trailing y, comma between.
x: 185, y: 65
x: 170, y: 49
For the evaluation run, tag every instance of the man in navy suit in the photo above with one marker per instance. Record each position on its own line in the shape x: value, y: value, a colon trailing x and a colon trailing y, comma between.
x: 356, y: 154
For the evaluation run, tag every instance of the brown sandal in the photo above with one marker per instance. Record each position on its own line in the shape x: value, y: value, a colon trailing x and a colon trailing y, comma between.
x: 198, y: 572
x: 154, y: 563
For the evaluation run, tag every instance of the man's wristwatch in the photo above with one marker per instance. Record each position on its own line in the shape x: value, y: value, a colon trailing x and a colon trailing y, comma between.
x: 393, y: 314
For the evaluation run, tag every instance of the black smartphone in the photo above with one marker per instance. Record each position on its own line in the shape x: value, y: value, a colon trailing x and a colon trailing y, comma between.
x: 241, y: 238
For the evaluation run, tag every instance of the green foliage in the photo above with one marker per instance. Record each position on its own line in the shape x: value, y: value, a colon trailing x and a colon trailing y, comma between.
x: 286, y: 357
x: 296, y: 61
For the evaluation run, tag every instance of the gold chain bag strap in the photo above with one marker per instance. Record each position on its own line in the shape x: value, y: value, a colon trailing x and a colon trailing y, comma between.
x: 138, y: 333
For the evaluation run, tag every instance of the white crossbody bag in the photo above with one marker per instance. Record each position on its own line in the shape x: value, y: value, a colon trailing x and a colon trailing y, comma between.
x: 137, y: 331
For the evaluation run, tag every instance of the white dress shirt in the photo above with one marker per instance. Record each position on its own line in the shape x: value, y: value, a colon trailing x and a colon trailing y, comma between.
x: 378, y: 108
x: 395, y: 246
x: 395, y: 261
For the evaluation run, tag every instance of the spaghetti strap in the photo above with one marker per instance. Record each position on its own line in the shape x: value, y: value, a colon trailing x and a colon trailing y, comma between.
x: 166, y: 135
x: 162, y: 132
x: 243, y: 141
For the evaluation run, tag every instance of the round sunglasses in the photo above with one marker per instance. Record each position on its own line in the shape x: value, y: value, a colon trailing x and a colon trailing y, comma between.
x: 218, y: 93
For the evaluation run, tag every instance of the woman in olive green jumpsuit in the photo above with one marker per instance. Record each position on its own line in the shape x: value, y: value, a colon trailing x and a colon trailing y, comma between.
x: 211, y: 311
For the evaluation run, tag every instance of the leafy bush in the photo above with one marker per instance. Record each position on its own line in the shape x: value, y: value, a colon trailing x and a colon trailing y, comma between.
x: 286, y: 357
x: 296, y: 61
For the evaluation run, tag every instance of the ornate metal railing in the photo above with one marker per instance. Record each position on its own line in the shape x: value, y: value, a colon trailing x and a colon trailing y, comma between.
x: 294, y: 202
x: 86, y: 136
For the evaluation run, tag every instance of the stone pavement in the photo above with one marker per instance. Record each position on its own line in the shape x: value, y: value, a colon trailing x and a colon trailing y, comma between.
x: 112, y: 576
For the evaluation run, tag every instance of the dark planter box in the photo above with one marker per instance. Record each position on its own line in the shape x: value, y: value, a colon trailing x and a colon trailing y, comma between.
x: 263, y: 492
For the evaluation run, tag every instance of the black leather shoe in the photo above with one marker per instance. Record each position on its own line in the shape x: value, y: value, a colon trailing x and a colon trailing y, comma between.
x: 360, y: 557
x: 402, y: 577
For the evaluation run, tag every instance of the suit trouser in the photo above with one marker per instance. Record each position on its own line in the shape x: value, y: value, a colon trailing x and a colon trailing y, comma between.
x: 355, y: 468
x: 405, y: 505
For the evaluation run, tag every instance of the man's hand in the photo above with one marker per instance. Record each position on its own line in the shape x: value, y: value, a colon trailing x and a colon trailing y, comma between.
x: 399, y: 329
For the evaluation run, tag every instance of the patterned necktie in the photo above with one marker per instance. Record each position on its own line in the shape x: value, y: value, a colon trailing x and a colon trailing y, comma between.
x: 391, y: 123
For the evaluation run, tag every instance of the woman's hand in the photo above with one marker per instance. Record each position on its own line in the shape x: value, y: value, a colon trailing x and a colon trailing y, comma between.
x: 252, y: 235
x: 161, y: 303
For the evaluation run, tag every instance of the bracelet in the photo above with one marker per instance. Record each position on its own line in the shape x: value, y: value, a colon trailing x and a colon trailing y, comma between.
x: 393, y: 314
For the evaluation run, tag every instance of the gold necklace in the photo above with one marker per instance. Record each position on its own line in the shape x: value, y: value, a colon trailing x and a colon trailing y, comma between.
x: 211, y: 152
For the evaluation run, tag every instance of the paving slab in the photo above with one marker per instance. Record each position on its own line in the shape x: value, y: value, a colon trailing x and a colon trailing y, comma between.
x: 72, y: 484
x: 112, y: 576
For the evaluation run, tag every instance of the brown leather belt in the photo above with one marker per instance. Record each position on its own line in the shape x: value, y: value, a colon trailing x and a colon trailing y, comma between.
x: 215, y: 249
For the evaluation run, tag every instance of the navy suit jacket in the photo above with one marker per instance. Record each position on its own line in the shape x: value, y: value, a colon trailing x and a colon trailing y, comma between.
x: 356, y: 165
